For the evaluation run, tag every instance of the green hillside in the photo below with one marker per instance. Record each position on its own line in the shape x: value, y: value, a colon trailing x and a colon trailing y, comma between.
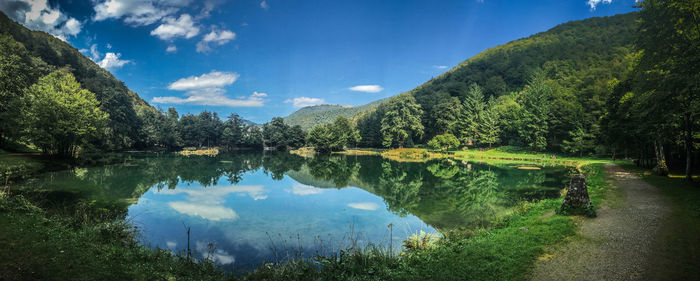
x: 310, y: 116
x: 579, y: 59
x: 38, y: 53
x: 575, y: 62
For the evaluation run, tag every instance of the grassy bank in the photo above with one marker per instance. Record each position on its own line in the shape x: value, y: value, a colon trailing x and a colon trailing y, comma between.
x: 500, y: 155
x: 39, y: 245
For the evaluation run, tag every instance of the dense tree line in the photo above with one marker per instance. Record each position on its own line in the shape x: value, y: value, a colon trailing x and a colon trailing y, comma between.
x: 653, y: 110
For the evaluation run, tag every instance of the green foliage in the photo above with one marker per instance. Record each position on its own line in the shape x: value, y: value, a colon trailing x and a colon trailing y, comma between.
x: 14, y: 78
x: 444, y: 142
x: 567, y: 210
x: 61, y: 116
x: 280, y: 136
x: 580, y: 143
x: 489, y: 121
x: 41, y: 53
x: 652, y: 111
x: 533, y: 126
x: 401, y: 122
x: 333, y: 137
x: 421, y: 241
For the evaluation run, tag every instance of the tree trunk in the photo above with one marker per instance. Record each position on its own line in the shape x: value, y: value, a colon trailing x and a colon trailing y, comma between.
x: 688, y: 146
x: 660, y: 169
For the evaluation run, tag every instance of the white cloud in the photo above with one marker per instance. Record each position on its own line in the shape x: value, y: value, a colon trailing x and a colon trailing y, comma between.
x: 172, y: 28
x: 39, y: 15
x: 440, y: 66
x: 212, y: 213
x: 367, y: 206
x: 112, y: 61
x: 207, y: 89
x: 171, y: 49
x: 94, y: 53
x: 213, y: 98
x: 594, y: 3
x: 214, y: 79
x: 136, y: 12
x: 264, y: 5
x: 216, y: 37
x: 302, y: 189
x: 305, y: 101
x: 367, y: 88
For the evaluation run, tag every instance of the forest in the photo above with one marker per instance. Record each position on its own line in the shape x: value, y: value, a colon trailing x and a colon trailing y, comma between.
x: 601, y: 86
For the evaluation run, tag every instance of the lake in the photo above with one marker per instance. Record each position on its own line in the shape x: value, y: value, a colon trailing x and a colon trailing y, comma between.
x: 247, y: 208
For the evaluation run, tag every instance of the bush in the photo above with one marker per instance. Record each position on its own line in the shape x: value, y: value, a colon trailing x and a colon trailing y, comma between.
x: 444, y: 142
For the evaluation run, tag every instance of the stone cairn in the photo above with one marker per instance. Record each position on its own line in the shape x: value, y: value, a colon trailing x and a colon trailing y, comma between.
x: 577, y: 201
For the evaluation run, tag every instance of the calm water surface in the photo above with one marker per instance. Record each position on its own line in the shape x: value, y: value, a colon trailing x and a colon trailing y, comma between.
x: 247, y: 208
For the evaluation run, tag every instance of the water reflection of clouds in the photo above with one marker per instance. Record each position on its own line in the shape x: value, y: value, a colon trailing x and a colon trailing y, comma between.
x: 302, y: 189
x: 218, y: 256
x: 208, y: 212
x: 208, y: 203
x: 215, y: 195
x: 367, y: 206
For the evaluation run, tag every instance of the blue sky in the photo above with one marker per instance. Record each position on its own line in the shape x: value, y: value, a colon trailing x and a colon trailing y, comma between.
x: 268, y: 58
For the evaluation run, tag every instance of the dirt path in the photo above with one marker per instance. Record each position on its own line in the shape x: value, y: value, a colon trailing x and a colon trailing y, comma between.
x: 620, y: 244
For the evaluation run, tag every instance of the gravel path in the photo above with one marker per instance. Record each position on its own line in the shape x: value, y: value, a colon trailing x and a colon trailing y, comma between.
x: 620, y: 244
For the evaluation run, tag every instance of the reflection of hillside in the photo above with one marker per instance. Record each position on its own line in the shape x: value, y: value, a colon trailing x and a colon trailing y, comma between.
x: 444, y: 194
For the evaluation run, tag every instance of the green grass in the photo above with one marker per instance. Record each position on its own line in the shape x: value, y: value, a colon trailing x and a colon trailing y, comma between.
x: 513, y: 155
x: 38, y: 246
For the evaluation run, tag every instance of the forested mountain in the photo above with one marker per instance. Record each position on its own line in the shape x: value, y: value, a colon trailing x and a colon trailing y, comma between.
x: 574, y: 64
x: 309, y: 116
x: 39, y: 53
x: 483, y: 100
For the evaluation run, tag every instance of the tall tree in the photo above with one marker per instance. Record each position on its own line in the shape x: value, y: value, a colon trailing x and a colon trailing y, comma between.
x: 489, y: 128
x: 469, y: 126
x: 669, y: 37
x: 234, y: 129
x: 61, y: 116
x: 401, y: 121
x: 534, y: 119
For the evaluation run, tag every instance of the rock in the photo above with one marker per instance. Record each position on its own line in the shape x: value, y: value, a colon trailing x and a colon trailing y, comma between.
x: 577, y: 200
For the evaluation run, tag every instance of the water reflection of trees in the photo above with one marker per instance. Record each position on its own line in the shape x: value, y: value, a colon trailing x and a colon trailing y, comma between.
x: 444, y: 193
